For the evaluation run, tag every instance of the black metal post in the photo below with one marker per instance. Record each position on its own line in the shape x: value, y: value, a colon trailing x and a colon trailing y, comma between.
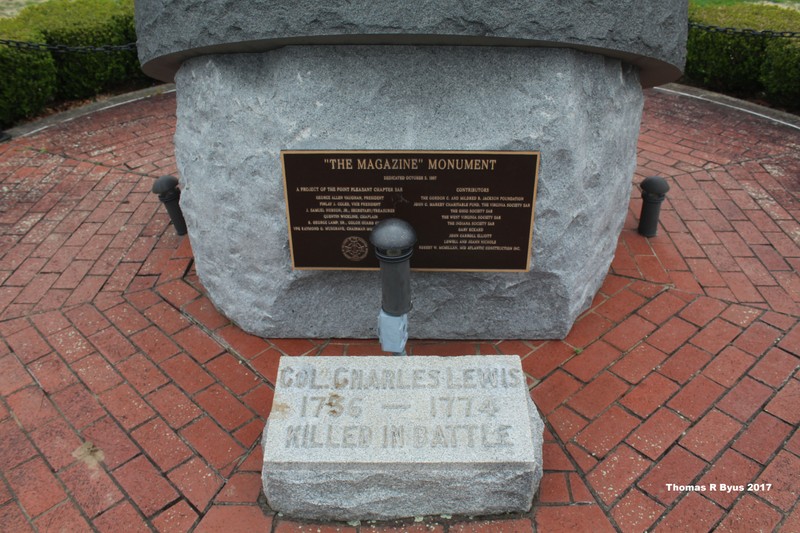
x: 394, y: 241
x: 654, y: 190
x: 166, y: 187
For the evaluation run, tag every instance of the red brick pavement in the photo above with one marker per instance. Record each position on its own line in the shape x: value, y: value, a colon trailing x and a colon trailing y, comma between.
x: 127, y: 399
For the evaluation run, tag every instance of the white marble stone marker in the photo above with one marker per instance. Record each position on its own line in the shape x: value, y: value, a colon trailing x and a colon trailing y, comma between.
x: 357, y: 438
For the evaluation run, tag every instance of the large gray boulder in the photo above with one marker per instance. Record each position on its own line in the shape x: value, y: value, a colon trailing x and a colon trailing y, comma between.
x: 561, y: 79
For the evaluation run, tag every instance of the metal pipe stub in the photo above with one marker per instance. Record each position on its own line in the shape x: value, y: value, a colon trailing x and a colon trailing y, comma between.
x: 394, y: 241
x: 166, y: 187
x: 654, y: 191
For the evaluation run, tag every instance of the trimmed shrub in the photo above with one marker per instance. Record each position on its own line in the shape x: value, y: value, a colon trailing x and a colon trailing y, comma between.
x: 28, y: 80
x: 725, y: 62
x: 86, y: 23
x: 745, y: 63
x: 780, y: 73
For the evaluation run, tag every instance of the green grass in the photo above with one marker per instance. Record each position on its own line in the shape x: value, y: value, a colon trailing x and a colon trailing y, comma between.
x: 9, y: 8
x: 714, y: 3
x: 748, y: 15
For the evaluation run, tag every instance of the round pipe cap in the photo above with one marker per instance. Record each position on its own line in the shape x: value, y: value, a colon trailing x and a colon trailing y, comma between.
x: 393, y: 239
x: 655, y: 185
x: 164, y: 184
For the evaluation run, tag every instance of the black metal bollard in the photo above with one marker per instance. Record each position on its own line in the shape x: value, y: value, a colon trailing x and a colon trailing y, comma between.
x: 654, y: 190
x: 166, y: 187
x: 394, y: 241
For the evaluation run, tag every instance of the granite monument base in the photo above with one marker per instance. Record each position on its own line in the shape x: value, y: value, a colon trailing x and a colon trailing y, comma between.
x: 237, y: 112
x: 363, y: 438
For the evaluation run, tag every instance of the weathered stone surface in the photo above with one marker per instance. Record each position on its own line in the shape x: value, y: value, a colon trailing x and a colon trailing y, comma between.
x: 354, y: 438
x: 237, y: 112
x: 650, y: 34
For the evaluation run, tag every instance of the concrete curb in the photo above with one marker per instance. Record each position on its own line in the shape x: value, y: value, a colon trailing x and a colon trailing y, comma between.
x: 774, y: 115
x: 36, y: 126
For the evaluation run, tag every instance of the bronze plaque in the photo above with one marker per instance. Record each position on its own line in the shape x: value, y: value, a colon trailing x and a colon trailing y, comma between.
x: 472, y: 211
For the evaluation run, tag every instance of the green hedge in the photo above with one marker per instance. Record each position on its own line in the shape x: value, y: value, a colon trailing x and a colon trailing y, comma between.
x: 32, y: 79
x: 28, y: 79
x: 742, y: 63
x: 86, y: 23
x: 724, y: 61
x: 780, y: 73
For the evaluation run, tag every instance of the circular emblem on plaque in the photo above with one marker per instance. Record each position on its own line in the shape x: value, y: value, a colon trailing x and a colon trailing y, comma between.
x: 355, y: 248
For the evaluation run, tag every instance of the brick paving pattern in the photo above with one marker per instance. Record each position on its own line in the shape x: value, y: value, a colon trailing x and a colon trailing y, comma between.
x: 127, y: 399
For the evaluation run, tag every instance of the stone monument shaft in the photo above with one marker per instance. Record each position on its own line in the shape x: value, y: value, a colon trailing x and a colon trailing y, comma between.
x: 560, y: 79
